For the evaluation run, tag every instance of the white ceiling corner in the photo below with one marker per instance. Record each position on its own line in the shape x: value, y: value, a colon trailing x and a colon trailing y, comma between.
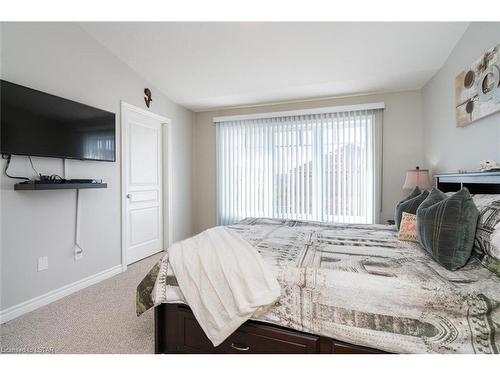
x: 205, y: 65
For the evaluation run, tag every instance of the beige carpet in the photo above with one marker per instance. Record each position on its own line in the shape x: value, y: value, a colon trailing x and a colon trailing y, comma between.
x: 98, y: 319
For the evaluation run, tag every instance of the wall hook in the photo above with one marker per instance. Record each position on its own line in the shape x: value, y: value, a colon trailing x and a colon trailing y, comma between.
x: 147, y: 98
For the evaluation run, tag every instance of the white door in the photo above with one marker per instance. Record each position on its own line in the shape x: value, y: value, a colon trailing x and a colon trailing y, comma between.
x: 142, y: 158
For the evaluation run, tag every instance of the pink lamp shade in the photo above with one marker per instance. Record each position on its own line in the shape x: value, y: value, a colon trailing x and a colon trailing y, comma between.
x: 417, y: 177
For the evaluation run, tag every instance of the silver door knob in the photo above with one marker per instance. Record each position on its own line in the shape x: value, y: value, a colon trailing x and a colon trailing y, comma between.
x: 129, y: 196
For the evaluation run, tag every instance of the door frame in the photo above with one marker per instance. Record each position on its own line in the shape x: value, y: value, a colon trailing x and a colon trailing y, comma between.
x: 166, y: 183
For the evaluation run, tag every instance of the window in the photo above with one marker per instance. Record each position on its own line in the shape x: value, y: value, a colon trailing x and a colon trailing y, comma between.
x: 309, y: 166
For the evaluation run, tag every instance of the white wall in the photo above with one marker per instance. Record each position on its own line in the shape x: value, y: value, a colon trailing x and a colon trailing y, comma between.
x: 60, y: 58
x: 402, y: 148
x: 446, y: 147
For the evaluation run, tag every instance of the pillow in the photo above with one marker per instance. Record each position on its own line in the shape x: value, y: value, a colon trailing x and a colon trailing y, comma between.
x: 409, y: 204
x: 484, y: 200
x: 397, y: 213
x: 446, y: 226
x: 408, y: 231
x: 436, y: 196
x: 487, y: 239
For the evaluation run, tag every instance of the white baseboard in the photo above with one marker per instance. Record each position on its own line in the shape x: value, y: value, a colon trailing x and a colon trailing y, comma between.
x: 37, y: 302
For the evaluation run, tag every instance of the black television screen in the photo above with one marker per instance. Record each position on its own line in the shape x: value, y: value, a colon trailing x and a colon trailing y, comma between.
x: 39, y: 124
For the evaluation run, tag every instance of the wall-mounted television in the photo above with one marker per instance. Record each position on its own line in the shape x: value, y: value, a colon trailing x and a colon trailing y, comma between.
x: 39, y: 124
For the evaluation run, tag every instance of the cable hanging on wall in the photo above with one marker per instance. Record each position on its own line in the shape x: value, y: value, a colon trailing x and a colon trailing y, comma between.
x: 33, y: 167
x: 8, y: 158
x: 78, y: 248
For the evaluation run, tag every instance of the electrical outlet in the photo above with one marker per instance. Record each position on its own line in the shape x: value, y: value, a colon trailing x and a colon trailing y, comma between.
x: 78, y: 253
x: 43, y: 263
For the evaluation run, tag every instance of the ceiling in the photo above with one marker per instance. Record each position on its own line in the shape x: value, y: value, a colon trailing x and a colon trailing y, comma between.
x: 206, y: 65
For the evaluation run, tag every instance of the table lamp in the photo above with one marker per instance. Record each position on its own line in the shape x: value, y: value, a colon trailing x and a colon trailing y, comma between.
x: 417, y: 177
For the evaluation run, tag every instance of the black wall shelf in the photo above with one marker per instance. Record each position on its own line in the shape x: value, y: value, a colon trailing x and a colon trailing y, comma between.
x: 59, y: 186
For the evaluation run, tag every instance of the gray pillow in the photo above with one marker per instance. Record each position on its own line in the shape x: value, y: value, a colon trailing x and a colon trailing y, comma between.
x: 446, y: 226
x: 398, y: 213
x: 410, y: 206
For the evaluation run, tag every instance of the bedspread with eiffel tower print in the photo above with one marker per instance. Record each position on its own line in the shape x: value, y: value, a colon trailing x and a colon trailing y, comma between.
x: 360, y: 284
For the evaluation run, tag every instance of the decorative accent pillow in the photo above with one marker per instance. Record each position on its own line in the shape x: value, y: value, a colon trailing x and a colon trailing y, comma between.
x: 484, y: 200
x: 446, y: 226
x: 397, y: 212
x: 487, y: 239
x: 408, y: 230
x: 409, y: 204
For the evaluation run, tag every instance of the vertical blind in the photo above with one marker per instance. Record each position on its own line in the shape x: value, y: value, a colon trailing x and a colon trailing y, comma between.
x: 324, y: 167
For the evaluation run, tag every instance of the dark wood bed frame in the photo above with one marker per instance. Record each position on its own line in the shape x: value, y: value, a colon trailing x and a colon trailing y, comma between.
x: 178, y: 332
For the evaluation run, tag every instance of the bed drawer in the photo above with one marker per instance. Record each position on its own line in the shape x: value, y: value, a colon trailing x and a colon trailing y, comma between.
x: 250, y: 338
x: 342, y: 348
x: 177, y: 331
x: 260, y: 339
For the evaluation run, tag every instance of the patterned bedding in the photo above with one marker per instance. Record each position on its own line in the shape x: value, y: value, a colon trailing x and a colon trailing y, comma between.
x: 361, y: 285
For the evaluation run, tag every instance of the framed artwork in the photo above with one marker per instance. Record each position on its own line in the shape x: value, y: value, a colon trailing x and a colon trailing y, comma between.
x: 477, y: 88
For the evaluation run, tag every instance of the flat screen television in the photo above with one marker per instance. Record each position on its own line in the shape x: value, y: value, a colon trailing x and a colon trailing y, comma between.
x: 39, y: 124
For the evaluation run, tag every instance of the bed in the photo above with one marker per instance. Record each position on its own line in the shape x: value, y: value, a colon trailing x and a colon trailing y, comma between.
x: 346, y: 288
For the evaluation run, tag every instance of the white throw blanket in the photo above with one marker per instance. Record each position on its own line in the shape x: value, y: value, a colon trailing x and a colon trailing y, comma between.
x: 223, y: 279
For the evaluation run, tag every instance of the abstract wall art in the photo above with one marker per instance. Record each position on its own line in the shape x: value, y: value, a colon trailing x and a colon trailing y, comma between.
x: 477, y: 88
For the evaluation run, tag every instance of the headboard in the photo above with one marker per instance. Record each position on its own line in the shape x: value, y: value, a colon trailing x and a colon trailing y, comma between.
x: 477, y: 183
